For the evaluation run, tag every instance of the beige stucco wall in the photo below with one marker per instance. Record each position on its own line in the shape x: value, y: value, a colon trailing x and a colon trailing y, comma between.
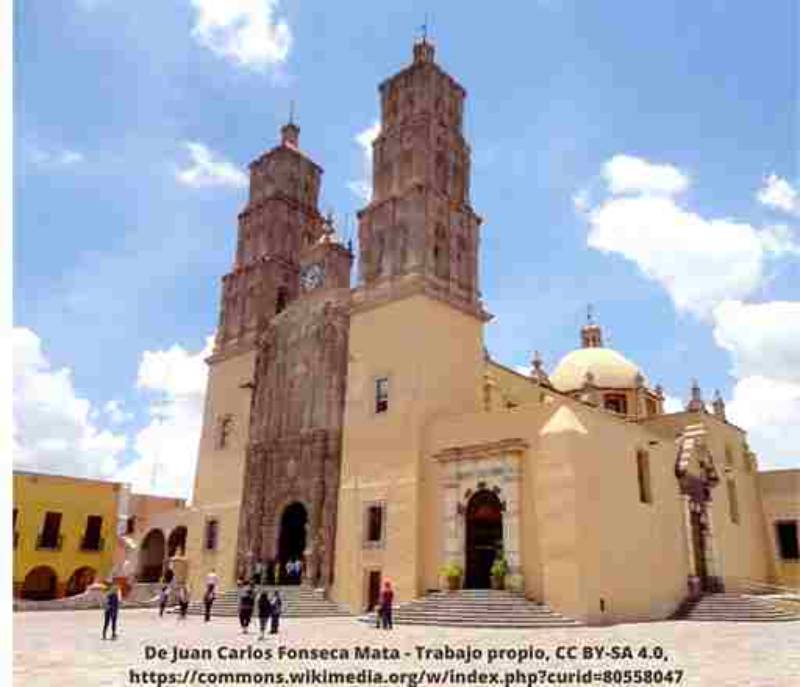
x: 432, y: 355
x: 584, y: 534
x: 780, y: 492
x: 220, y: 471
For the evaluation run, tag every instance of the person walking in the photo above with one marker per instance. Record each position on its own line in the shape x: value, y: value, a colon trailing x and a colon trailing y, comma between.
x: 183, y: 601
x: 387, y: 597
x: 111, y: 611
x: 212, y: 579
x: 163, y: 600
x: 208, y: 600
x: 277, y: 609
x: 246, y: 603
x: 264, y: 611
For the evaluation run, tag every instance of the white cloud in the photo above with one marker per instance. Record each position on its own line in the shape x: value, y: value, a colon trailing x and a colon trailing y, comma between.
x: 166, y: 447
x: 769, y: 409
x: 673, y: 404
x: 56, y: 431
x: 115, y: 412
x: 763, y: 342
x: 627, y: 174
x: 777, y: 193
x: 363, y: 187
x: 54, y: 158
x: 248, y: 32
x: 699, y: 261
x: 762, y: 338
x: 53, y: 428
x: 206, y: 169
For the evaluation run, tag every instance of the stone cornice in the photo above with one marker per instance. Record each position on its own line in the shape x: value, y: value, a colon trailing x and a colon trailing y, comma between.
x: 231, y: 351
x: 369, y: 297
x: 484, y: 450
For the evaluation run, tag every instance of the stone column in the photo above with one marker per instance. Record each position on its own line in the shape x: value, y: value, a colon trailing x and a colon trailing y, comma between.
x: 451, y: 519
x: 511, y: 524
x: 693, y: 580
x: 713, y: 570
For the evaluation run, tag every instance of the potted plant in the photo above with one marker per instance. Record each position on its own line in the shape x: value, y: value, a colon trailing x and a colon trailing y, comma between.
x: 498, y: 572
x: 452, y: 573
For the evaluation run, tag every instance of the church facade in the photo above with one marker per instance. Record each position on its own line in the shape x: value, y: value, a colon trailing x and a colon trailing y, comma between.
x: 365, y: 431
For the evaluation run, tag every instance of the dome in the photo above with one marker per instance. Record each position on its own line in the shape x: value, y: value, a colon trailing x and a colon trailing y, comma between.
x: 610, y: 369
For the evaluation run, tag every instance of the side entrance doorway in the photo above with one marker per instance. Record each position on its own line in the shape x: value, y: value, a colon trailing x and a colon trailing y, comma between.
x: 292, y: 541
x: 484, y: 538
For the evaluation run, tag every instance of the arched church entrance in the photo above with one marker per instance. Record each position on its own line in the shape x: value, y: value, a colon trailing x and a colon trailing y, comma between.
x: 484, y: 538
x: 151, y: 557
x: 292, y: 540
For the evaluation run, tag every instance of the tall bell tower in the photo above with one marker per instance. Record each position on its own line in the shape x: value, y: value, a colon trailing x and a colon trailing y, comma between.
x: 415, y: 346
x: 281, y: 233
x: 419, y: 224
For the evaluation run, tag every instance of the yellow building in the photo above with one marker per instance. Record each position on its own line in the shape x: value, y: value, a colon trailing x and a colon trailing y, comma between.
x: 65, y: 533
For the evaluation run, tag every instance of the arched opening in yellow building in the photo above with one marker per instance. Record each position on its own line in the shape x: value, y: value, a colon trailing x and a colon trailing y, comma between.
x: 40, y: 583
x: 176, y: 544
x: 292, y: 538
x: 80, y: 580
x: 151, y: 557
x: 484, y: 538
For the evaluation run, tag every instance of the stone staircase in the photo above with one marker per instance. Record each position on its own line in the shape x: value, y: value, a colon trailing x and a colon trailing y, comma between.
x: 743, y: 608
x: 476, y: 608
x: 298, y: 602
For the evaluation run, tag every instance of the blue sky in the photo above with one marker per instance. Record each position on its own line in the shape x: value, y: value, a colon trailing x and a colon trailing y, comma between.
x: 116, y: 254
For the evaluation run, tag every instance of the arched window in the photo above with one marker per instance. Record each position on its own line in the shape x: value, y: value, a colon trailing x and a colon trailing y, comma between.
x: 616, y: 403
x: 281, y: 299
x: 643, y: 476
x: 224, y: 430
x: 733, y: 502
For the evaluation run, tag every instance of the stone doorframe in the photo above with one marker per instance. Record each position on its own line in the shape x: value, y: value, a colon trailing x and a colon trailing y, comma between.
x: 495, y: 466
x: 697, y: 476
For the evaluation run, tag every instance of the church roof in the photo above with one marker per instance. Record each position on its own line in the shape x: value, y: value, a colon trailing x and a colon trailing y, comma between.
x: 608, y: 368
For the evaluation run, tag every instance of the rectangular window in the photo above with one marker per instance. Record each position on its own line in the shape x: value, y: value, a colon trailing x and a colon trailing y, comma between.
x: 130, y: 525
x: 91, y: 536
x: 733, y: 502
x: 786, y: 533
x: 374, y: 524
x: 382, y: 395
x: 211, y: 536
x: 50, y: 536
x: 643, y: 476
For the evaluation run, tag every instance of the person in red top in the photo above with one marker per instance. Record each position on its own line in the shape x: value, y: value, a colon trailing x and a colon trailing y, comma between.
x: 387, y: 596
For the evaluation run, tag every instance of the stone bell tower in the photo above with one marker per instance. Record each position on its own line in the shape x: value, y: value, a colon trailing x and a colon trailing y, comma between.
x: 419, y: 222
x: 301, y: 291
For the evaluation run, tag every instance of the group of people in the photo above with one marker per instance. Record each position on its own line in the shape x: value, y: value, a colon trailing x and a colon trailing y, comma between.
x: 269, y: 609
x: 273, y: 572
x: 182, y: 595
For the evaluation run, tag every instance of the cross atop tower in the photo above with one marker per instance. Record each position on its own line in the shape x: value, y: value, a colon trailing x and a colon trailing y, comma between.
x: 591, y: 334
x: 423, y: 49
x: 290, y: 132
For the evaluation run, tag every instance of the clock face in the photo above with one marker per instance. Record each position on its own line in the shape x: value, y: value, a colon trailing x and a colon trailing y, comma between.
x: 312, y: 276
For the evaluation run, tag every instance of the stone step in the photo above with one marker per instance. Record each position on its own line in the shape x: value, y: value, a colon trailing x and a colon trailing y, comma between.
x: 298, y: 602
x: 731, y: 607
x: 475, y: 608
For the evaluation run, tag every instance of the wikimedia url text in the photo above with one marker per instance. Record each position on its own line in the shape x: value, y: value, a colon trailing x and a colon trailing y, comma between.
x: 412, y: 678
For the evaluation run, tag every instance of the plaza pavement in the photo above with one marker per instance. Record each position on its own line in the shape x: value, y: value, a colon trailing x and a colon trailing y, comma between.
x: 64, y: 648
